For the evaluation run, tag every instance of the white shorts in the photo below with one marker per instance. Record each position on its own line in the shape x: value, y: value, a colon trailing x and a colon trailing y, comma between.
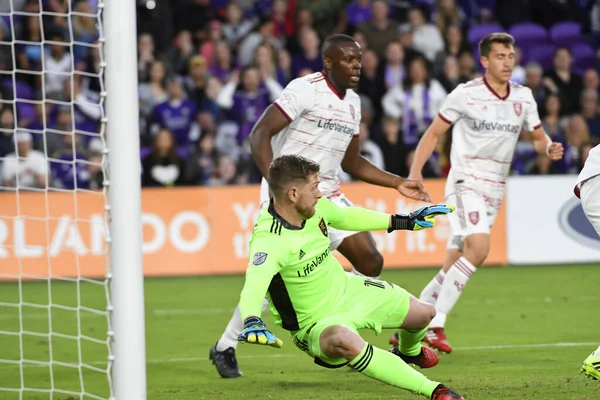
x: 474, y: 212
x: 590, y: 201
x: 335, y: 236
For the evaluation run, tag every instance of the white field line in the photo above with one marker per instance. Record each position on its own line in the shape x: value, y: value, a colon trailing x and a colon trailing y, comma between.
x: 207, y: 311
x: 298, y: 353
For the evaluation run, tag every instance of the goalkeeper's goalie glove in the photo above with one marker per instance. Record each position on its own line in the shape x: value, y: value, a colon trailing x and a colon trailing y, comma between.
x: 256, y: 332
x: 419, y: 219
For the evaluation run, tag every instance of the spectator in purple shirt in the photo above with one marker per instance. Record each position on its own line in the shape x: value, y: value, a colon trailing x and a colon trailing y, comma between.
x: 247, y: 96
x: 223, y: 63
x: 358, y: 12
x: 177, y: 114
x: 310, y: 57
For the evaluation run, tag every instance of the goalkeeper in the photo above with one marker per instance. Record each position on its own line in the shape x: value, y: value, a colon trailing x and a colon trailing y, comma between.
x: 312, y: 296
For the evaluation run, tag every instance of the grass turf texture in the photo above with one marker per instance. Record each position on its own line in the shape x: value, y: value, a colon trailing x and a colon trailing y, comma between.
x: 518, y: 333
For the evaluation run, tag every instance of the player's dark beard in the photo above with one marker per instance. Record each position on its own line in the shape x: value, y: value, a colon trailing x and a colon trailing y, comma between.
x: 306, y: 211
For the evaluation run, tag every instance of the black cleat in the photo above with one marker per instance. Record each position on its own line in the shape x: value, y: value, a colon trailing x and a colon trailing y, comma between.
x: 225, y: 362
x: 441, y: 392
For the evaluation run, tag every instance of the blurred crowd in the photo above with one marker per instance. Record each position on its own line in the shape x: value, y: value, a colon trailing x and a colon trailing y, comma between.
x: 209, y: 68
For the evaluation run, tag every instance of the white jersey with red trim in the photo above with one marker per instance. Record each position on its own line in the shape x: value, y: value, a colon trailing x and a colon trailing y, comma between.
x: 322, y: 124
x: 486, y: 131
x: 590, y: 169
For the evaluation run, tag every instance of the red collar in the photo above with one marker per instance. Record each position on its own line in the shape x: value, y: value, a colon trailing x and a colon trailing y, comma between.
x: 333, y: 89
x: 491, y: 89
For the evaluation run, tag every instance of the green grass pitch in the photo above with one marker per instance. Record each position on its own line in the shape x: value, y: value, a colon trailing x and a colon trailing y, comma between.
x: 518, y: 333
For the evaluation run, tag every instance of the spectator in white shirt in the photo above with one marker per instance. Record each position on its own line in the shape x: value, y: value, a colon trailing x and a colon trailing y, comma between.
x: 27, y: 168
x: 57, y: 66
x: 427, y: 38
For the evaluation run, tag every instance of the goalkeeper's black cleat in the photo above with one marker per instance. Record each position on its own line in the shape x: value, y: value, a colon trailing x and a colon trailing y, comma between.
x: 225, y: 362
x: 441, y: 392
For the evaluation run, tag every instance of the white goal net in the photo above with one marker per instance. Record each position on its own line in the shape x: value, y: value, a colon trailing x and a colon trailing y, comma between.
x: 55, y: 332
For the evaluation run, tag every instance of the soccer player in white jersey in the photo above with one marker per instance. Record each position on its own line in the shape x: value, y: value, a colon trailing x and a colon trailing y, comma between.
x: 318, y: 117
x: 588, y: 190
x: 488, y: 115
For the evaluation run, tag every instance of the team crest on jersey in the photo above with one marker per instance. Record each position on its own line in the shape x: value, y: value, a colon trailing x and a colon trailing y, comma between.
x: 518, y: 108
x: 474, y: 217
x: 352, y: 112
x: 259, y: 258
x: 323, y: 227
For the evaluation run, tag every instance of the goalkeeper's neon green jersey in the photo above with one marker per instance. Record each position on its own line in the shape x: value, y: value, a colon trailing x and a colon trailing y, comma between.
x: 295, y: 267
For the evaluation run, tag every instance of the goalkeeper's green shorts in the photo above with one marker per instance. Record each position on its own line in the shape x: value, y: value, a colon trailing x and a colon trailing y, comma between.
x: 367, y: 304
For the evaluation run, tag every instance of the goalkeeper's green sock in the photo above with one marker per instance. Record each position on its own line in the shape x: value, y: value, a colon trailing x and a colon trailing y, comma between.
x: 389, y: 368
x: 410, y: 342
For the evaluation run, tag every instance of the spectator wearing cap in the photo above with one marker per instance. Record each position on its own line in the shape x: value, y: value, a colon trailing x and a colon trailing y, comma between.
x: 380, y: 30
x: 197, y: 81
x: 177, y: 114
x: 25, y: 168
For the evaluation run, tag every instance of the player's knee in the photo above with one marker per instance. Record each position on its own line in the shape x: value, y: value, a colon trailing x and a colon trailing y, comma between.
x: 476, y: 249
x: 427, y: 312
x: 343, y: 342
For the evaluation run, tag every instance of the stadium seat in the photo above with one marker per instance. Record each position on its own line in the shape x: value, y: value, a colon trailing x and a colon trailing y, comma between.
x: 528, y: 32
x: 542, y: 53
x: 584, y: 55
x: 562, y: 33
x: 477, y: 32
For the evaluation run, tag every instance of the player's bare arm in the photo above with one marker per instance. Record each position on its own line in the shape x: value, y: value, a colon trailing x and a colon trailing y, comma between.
x: 271, y: 122
x: 426, y: 146
x: 543, y: 144
x: 359, y: 167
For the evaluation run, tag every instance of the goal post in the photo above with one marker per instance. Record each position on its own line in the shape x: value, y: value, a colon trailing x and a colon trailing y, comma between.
x: 129, y: 374
x: 71, y: 267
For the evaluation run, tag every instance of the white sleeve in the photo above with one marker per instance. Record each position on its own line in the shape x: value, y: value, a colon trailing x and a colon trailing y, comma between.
x: 225, y: 97
x: 532, y: 118
x: 9, y: 168
x: 298, y: 96
x: 438, y: 96
x: 274, y: 89
x: 393, y: 102
x: 91, y: 110
x: 40, y: 166
x: 453, y: 106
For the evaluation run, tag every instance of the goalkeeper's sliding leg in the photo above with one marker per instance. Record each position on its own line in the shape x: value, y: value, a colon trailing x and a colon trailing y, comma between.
x: 358, y: 247
x: 339, y: 344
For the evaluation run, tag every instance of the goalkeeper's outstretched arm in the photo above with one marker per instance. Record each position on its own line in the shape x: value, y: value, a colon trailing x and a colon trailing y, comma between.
x: 362, y: 219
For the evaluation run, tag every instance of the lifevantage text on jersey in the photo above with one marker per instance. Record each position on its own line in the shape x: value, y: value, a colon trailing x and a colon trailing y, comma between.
x: 335, y: 126
x: 310, y: 267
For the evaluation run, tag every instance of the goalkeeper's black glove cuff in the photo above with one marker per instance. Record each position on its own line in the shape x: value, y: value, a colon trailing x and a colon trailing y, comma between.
x: 252, y: 321
x: 400, y: 222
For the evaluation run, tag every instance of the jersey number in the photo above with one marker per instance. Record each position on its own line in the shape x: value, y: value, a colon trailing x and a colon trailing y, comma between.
x: 379, y: 285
